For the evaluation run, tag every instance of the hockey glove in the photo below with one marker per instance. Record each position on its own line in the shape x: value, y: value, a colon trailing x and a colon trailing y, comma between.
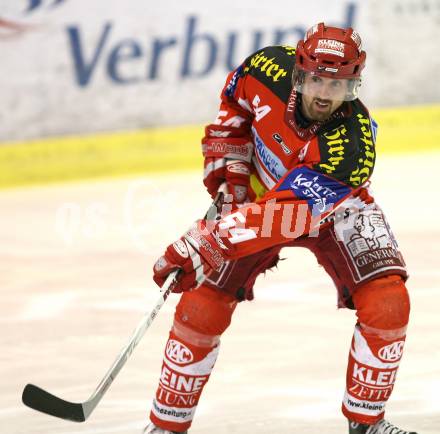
x: 196, y: 254
x: 235, y: 173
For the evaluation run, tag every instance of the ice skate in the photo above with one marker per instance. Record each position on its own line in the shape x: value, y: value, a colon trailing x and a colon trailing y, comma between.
x: 153, y: 429
x: 381, y: 427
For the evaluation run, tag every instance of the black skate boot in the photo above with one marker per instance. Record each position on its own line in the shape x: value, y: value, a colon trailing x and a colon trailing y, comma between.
x: 381, y: 427
x: 153, y: 429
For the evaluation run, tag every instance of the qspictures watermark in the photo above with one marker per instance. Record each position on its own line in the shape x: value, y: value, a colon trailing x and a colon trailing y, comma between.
x: 136, y: 216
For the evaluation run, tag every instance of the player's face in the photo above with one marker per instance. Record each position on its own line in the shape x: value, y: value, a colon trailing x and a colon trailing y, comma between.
x: 321, y: 96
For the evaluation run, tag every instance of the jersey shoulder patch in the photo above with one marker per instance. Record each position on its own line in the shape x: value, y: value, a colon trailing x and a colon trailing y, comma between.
x: 273, y: 66
x: 347, y: 147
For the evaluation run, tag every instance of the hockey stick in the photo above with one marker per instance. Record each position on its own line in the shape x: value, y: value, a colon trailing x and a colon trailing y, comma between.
x: 40, y: 400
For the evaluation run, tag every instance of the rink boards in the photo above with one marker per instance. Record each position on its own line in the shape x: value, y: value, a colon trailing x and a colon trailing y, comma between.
x: 401, y: 130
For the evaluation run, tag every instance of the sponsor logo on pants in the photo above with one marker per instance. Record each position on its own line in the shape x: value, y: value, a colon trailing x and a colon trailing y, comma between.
x: 369, y: 243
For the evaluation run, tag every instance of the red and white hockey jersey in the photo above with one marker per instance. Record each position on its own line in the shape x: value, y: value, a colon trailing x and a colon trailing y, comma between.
x: 310, y: 166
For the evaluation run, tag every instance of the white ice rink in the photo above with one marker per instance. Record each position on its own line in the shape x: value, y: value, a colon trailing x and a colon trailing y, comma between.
x: 75, y: 278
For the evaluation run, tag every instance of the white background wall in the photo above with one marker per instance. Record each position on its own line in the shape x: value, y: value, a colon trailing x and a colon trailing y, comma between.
x: 76, y: 66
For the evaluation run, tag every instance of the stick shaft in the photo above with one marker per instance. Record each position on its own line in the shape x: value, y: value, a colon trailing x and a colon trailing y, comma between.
x: 142, y: 327
x: 43, y: 401
x: 137, y: 335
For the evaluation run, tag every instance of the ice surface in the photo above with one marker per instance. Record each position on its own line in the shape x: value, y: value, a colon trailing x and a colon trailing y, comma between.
x: 75, y: 278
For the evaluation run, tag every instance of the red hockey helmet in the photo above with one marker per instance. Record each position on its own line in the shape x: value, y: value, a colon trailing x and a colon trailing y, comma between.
x: 330, y: 52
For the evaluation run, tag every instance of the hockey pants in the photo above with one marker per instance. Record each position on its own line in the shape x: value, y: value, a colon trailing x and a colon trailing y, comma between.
x: 364, y: 262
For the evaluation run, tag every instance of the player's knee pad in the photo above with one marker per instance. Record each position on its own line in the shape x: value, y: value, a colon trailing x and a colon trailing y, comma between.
x: 383, y: 306
x: 203, y: 315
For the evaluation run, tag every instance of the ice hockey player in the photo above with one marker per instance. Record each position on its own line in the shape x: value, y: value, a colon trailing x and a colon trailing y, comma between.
x: 296, y: 148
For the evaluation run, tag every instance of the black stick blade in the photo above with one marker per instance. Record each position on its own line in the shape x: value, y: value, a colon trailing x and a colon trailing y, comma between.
x: 40, y: 400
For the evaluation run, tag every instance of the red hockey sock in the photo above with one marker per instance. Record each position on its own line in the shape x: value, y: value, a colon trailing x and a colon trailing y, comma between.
x: 185, y: 371
x: 190, y: 354
x: 376, y: 349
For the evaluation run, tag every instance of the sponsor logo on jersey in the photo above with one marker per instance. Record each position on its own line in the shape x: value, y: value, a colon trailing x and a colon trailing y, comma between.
x: 334, y: 149
x: 277, y: 137
x: 320, y: 192
x: 178, y: 353
x: 270, y: 161
x: 336, y: 144
x: 266, y: 65
x: 392, y: 352
x: 365, y: 163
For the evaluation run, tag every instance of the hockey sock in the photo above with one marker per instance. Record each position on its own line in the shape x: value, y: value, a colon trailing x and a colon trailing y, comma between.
x: 185, y: 371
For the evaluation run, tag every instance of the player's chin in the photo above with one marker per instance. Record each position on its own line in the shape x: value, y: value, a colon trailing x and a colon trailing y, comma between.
x: 320, y: 112
x: 321, y: 116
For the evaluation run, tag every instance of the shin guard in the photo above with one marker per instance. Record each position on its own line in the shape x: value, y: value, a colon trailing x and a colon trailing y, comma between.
x: 190, y: 354
x: 376, y: 349
x: 185, y: 371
